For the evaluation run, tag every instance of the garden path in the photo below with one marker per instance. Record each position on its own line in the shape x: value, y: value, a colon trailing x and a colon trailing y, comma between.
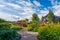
x: 26, y: 35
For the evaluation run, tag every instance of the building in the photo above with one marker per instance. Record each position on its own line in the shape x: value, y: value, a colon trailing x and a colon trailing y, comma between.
x: 56, y: 18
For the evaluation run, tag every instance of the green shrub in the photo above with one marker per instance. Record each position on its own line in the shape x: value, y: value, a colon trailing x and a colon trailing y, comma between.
x: 5, y: 25
x: 49, y: 33
x: 16, y: 27
x: 32, y: 27
x: 9, y: 34
x: 36, y: 29
x: 29, y: 28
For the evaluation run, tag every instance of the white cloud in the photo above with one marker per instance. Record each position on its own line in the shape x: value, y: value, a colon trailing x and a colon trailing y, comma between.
x: 14, y: 5
x: 27, y: 8
x: 8, y: 17
x: 24, y: 3
x: 1, y: 6
x: 56, y: 10
x: 27, y: 13
x: 55, y: 7
x: 37, y: 3
x: 28, y: 3
x: 44, y: 11
x: 54, y: 2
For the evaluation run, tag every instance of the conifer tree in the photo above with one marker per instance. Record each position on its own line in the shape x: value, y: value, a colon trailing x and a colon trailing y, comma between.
x: 50, y: 16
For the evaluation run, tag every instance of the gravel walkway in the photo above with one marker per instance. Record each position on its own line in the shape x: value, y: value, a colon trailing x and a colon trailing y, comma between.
x: 28, y: 35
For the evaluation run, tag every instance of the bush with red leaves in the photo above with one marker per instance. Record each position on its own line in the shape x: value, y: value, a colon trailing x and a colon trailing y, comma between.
x: 20, y: 23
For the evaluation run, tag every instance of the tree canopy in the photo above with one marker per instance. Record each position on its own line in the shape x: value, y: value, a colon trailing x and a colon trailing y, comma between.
x: 35, y: 17
x: 50, y: 16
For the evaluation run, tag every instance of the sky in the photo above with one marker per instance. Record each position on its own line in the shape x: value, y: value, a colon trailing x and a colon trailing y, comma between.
x: 13, y: 10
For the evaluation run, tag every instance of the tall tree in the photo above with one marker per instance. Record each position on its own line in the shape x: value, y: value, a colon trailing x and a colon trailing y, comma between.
x: 35, y: 18
x: 50, y: 16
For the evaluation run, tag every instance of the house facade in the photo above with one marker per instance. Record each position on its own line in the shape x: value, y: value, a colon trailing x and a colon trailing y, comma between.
x: 56, y: 19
